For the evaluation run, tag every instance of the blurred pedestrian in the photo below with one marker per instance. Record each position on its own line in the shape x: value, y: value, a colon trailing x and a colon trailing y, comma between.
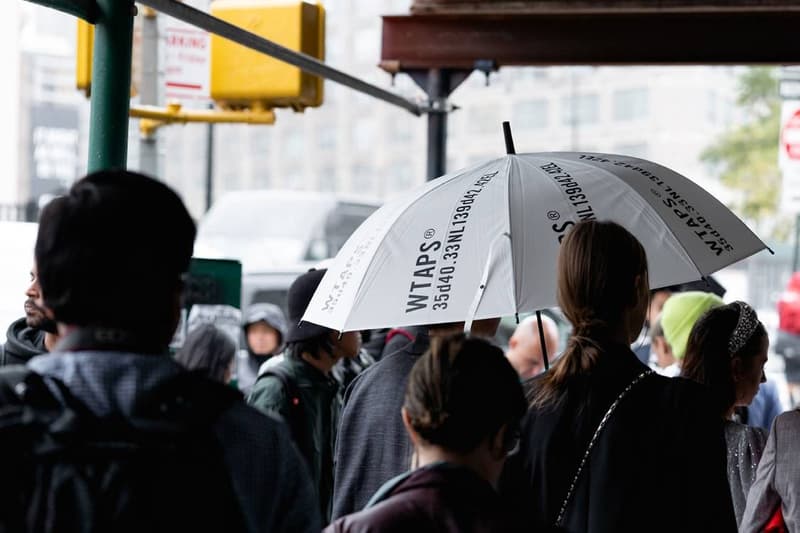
x: 663, y: 360
x: 210, y: 350
x: 775, y: 495
x: 32, y: 335
x: 110, y: 433
x: 461, y: 440
x: 606, y: 441
x: 264, y: 329
x: 726, y: 352
x: 525, y: 346
x: 765, y: 407
x: 301, y: 390
x: 679, y: 315
x: 373, y: 446
x: 642, y: 346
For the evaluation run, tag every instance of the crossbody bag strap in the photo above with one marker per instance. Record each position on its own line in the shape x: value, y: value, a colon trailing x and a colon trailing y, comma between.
x: 562, y: 512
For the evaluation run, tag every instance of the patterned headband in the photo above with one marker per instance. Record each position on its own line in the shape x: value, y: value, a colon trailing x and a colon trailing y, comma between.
x: 745, y: 327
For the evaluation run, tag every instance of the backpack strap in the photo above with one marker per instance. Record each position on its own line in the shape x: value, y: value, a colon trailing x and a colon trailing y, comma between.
x: 295, y: 420
x: 593, y: 441
x: 398, y: 331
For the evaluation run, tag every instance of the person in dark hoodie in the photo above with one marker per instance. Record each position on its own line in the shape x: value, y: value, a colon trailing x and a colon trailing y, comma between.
x: 264, y: 328
x: 461, y: 440
x: 33, y: 334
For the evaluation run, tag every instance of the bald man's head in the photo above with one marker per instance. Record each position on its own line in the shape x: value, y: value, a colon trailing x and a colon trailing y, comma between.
x: 524, y: 347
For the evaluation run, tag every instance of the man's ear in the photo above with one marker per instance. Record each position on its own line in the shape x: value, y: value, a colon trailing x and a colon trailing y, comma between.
x: 512, y: 343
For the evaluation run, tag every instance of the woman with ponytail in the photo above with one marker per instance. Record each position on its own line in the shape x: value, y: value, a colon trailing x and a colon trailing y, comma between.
x: 607, y: 445
x: 726, y: 352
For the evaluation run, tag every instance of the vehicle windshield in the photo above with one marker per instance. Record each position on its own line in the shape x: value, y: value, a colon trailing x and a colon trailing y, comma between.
x: 262, y: 216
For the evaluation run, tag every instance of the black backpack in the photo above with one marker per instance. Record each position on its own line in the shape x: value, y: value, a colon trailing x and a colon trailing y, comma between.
x: 296, y: 418
x: 159, y: 470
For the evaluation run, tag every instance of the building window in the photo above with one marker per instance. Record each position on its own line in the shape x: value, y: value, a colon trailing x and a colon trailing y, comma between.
x: 327, y: 179
x: 327, y: 138
x: 530, y: 114
x: 580, y: 109
x: 485, y: 120
x: 363, y: 136
x: 630, y: 104
x: 402, y: 176
x: 367, y: 44
x: 295, y: 144
x: 363, y: 180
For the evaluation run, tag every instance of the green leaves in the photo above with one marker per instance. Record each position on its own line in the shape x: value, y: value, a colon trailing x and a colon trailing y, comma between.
x: 747, y: 156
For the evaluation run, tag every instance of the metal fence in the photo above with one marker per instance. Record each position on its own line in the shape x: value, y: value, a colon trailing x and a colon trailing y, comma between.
x: 28, y: 212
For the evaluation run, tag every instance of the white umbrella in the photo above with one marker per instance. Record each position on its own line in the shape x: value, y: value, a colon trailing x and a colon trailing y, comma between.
x: 482, y: 242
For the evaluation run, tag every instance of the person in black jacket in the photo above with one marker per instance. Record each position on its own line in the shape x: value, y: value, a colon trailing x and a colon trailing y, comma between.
x: 32, y: 335
x: 658, y: 460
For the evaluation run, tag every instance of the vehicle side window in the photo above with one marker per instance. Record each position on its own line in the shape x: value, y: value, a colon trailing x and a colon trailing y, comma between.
x: 340, y: 223
x: 271, y: 296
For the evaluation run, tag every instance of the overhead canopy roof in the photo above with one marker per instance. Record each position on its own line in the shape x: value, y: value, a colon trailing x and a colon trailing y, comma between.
x: 458, y: 34
x: 596, y: 6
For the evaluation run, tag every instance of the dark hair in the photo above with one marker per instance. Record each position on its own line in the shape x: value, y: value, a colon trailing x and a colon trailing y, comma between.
x: 209, y: 349
x: 598, y: 264
x: 708, y: 360
x: 111, y: 253
x: 461, y: 391
x: 312, y: 346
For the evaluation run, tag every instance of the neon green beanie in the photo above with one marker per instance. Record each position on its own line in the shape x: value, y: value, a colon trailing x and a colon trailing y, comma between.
x: 679, y: 315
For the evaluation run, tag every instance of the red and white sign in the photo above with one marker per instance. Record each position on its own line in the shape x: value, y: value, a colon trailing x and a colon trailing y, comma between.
x: 188, y: 60
x: 789, y: 156
x: 790, y: 136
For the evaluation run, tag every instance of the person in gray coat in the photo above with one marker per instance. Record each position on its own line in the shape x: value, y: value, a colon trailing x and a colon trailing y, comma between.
x: 777, y: 484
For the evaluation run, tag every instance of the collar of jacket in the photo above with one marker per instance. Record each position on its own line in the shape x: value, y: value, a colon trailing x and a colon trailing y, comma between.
x: 307, y: 374
x: 23, y: 342
x: 438, y: 474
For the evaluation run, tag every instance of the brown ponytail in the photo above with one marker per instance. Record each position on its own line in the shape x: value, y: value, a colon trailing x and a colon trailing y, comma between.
x: 598, y: 266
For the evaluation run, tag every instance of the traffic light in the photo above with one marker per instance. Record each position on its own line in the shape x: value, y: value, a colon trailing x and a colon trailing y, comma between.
x: 85, y: 54
x: 243, y: 78
x: 83, y: 67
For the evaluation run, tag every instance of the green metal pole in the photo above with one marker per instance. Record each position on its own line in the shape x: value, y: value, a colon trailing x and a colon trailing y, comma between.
x: 111, y: 85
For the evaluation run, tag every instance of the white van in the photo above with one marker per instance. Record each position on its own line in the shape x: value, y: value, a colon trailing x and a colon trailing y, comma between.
x: 278, y: 235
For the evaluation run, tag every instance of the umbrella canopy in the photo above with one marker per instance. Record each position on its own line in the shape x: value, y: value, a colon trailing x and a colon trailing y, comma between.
x: 483, y: 242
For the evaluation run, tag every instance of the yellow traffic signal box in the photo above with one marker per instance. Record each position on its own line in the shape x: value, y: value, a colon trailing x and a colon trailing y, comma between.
x: 83, y: 67
x: 242, y: 78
